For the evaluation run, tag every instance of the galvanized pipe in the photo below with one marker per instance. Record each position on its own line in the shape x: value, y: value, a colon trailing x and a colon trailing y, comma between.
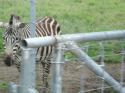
x: 27, y: 74
x: 93, y: 66
x: 32, y: 32
x: 28, y: 64
x: 85, y: 37
x: 57, y: 68
x: 32, y: 17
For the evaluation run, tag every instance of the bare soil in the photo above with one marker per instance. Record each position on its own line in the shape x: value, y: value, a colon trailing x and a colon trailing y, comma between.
x: 76, y: 77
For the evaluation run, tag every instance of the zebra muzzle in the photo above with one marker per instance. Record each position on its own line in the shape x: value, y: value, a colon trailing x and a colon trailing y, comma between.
x: 8, y: 60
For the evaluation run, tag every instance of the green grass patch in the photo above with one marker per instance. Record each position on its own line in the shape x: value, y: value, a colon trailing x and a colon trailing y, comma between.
x: 1, y: 41
x: 3, y: 85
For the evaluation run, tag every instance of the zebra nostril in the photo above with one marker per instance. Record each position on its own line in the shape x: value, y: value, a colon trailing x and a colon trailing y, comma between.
x: 8, y: 61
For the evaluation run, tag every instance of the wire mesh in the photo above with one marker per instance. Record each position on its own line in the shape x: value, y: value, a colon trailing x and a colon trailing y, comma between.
x: 77, y: 78
x: 112, y: 68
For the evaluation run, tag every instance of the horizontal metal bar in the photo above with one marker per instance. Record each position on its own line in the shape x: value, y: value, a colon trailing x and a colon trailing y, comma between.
x: 38, y: 42
x: 84, y: 37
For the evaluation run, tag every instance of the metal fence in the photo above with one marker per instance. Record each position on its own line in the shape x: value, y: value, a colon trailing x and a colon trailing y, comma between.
x: 26, y: 82
x: 64, y: 43
x: 83, y: 57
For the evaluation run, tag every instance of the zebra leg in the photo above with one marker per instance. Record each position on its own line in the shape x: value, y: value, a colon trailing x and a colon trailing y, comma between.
x: 46, y: 69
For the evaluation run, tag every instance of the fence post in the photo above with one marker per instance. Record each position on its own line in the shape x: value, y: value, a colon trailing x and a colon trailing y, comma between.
x: 27, y: 74
x: 57, y: 69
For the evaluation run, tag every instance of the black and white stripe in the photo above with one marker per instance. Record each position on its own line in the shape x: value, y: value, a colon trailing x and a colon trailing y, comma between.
x: 47, y: 26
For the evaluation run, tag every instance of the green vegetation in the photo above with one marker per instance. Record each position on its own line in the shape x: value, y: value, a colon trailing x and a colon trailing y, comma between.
x: 1, y: 40
x: 3, y: 85
x: 74, y: 16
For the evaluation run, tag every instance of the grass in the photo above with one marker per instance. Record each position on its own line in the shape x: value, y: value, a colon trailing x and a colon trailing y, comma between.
x: 74, y: 16
x: 3, y: 85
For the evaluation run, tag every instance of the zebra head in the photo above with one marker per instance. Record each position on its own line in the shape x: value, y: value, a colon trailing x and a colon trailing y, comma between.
x: 11, y: 39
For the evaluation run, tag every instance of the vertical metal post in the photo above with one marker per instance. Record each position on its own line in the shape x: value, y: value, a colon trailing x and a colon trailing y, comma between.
x: 102, y: 56
x: 33, y: 30
x: 122, y: 63
x: 82, y: 82
x: 32, y: 17
x: 27, y: 73
x: 57, y: 70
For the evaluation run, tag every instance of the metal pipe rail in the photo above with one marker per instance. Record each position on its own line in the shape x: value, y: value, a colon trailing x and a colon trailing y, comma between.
x: 84, y: 37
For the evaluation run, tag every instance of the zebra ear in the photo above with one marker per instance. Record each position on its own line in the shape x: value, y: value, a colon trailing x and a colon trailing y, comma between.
x: 13, y: 19
x: 22, y: 25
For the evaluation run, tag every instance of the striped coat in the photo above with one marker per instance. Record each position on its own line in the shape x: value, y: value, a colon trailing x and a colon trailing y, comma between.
x: 16, y: 31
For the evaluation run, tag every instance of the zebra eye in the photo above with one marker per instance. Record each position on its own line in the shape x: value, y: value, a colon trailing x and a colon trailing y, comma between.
x: 17, y: 38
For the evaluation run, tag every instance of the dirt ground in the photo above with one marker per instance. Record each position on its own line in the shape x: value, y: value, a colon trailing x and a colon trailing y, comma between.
x: 76, y: 77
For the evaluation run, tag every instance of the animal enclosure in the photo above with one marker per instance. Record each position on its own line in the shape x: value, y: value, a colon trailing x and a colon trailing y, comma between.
x: 76, y: 78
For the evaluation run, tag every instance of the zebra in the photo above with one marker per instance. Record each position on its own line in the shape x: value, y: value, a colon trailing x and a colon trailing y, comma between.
x: 17, y: 31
